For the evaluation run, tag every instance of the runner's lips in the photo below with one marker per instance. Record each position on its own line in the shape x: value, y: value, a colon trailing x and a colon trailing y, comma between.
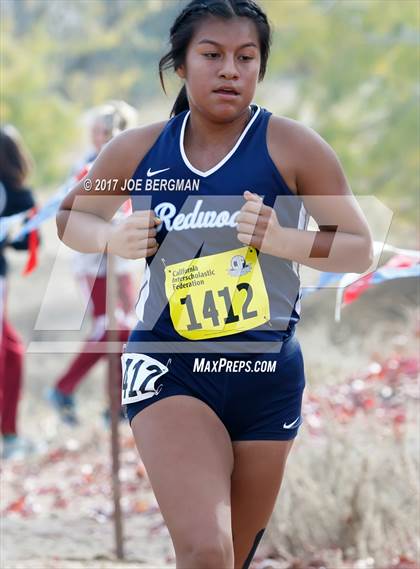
x: 226, y: 91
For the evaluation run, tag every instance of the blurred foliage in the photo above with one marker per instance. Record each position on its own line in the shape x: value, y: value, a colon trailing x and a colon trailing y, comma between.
x: 352, y: 66
x: 355, y: 63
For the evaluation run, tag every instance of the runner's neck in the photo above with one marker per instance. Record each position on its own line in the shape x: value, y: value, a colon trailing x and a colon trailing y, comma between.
x: 202, y: 135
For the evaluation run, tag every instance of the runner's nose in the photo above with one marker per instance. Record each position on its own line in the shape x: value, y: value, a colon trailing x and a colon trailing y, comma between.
x: 228, y: 69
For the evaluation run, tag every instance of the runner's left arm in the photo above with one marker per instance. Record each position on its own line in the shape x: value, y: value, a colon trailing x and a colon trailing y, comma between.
x: 344, y: 242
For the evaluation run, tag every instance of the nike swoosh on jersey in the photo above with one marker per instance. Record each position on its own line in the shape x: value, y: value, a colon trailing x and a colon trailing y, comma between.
x: 286, y: 426
x: 151, y: 173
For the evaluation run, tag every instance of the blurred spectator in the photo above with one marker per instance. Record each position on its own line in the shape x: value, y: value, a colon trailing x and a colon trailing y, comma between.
x: 90, y: 270
x: 15, y: 198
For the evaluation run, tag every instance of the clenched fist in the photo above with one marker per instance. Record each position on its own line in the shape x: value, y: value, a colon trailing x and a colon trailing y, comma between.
x: 135, y: 236
x: 258, y: 226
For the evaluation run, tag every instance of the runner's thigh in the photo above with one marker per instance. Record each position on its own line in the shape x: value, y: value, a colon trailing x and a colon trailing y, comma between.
x: 188, y: 455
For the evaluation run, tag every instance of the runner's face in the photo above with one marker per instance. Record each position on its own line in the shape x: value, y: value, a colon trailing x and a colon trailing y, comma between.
x: 222, y: 53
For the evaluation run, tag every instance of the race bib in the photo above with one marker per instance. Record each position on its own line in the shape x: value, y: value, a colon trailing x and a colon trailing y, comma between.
x: 217, y: 295
x: 140, y: 373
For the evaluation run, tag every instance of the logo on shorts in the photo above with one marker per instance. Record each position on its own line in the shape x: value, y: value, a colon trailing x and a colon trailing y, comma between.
x: 238, y: 266
x: 291, y: 425
x: 140, y: 374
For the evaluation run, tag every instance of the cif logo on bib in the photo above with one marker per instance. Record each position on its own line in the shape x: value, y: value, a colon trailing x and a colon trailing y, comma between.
x: 238, y: 266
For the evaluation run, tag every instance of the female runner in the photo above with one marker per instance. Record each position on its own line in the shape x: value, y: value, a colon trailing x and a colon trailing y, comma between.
x: 221, y: 194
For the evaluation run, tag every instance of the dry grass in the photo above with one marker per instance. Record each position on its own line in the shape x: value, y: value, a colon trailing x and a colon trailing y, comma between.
x: 357, y: 490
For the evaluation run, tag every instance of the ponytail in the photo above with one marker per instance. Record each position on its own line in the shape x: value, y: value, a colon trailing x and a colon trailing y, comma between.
x: 181, y: 104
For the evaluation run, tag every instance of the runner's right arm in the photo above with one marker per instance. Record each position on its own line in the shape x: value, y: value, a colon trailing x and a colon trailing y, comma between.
x: 84, y: 217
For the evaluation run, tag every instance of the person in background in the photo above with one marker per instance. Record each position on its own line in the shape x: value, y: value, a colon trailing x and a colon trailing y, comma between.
x: 15, y: 198
x: 90, y: 271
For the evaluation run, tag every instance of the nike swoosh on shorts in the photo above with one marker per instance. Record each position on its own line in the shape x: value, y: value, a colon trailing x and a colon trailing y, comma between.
x: 290, y: 425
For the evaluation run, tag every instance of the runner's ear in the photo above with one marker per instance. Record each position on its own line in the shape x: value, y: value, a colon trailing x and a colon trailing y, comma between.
x: 180, y: 71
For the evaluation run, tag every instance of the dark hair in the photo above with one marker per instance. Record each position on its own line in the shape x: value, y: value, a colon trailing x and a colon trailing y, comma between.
x: 15, y: 160
x: 184, y: 27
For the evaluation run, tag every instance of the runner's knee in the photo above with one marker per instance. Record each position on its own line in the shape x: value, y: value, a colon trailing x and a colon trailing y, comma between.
x: 207, y: 552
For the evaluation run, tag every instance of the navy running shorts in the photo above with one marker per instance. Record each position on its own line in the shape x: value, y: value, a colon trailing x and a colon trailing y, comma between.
x: 256, y: 396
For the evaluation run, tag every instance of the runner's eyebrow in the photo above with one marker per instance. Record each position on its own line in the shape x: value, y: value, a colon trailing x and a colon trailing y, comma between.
x: 249, y: 44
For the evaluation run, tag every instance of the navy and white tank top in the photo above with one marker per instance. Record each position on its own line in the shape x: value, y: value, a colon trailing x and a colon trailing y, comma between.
x: 203, y: 284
